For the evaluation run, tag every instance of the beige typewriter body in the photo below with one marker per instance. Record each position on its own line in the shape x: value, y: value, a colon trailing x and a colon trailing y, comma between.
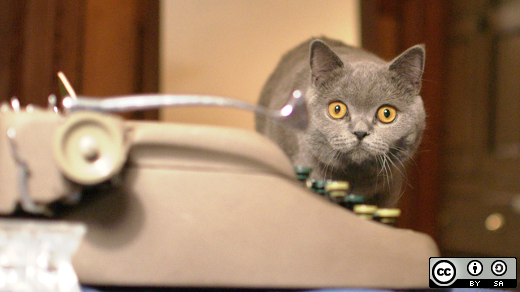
x: 194, y: 206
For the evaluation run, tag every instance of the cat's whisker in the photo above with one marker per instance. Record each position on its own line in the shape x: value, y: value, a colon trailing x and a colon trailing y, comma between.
x: 329, y: 163
x: 325, y: 172
x: 401, y: 193
x: 403, y: 174
x: 396, y: 166
x: 318, y: 150
x: 391, y: 176
x: 399, y: 160
x: 411, y: 159
x: 377, y: 175
x: 383, y: 169
x: 381, y: 162
x: 386, y: 168
x: 405, y: 153
x: 332, y: 162
x: 315, y: 151
x: 338, y: 154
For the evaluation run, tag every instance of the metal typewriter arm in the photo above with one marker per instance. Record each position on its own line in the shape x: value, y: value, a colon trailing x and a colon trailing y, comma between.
x: 293, y: 114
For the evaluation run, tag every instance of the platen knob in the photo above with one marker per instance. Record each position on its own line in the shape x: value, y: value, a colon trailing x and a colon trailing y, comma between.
x: 89, y: 147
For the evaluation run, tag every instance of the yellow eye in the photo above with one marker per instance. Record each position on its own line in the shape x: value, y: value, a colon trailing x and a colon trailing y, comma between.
x: 337, y: 110
x: 386, y: 114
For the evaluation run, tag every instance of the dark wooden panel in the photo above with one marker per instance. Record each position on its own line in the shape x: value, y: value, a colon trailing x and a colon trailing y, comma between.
x: 123, y: 59
x: 68, y: 41
x: 428, y: 177
x: 148, y: 31
x: 103, y: 47
x: 110, y: 47
x: 11, y: 23
x: 148, y: 52
x: 41, y: 38
x: 38, y: 51
x: 507, y: 122
x: 481, y: 159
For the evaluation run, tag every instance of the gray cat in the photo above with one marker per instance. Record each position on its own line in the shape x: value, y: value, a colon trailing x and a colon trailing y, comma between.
x: 366, y: 115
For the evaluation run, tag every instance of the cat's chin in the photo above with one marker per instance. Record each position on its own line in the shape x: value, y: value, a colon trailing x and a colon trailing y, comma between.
x: 359, y: 156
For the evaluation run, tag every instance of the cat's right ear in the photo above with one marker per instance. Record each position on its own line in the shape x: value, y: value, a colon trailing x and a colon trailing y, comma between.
x: 323, y: 61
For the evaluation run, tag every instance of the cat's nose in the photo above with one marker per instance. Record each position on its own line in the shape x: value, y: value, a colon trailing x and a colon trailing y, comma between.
x: 361, y: 134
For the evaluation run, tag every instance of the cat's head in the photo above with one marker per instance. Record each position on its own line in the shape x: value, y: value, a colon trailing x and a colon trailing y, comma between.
x: 364, y: 110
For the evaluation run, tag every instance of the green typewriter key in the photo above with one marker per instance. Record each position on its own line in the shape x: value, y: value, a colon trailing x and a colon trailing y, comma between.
x: 387, y: 216
x: 349, y: 201
x: 337, y: 190
x: 365, y: 211
x: 318, y: 186
x: 302, y: 172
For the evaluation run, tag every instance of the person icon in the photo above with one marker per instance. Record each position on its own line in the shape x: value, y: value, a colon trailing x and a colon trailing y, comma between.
x: 474, y: 268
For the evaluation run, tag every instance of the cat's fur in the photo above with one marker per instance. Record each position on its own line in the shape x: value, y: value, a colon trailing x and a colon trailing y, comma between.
x: 327, y: 70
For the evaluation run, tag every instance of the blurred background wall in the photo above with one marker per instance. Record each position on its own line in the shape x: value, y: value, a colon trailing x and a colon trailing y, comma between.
x: 229, y: 48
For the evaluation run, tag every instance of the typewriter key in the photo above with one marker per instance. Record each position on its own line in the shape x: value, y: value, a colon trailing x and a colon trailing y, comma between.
x: 387, y: 215
x: 337, y: 190
x: 302, y: 172
x: 365, y: 211
x: 318, y: 186
x: 349, y: 201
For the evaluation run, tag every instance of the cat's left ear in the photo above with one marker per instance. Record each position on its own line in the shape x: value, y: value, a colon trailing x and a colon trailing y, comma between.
x: 410, y: 65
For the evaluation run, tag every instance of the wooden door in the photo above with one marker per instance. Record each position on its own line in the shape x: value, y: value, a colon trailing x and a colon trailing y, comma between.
x: 104, y: 48
x: 481, y: 191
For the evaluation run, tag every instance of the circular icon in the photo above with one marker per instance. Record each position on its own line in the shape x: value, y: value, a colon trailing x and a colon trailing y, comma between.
x: 443, y: 272
x: 498, y: 268
x: 475, y: 268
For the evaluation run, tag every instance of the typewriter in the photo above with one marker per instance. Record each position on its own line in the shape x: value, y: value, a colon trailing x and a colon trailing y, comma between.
x: 92, y: 200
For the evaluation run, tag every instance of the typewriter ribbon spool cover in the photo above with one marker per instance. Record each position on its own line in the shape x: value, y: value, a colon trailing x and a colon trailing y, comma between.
x: 89, y: 147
